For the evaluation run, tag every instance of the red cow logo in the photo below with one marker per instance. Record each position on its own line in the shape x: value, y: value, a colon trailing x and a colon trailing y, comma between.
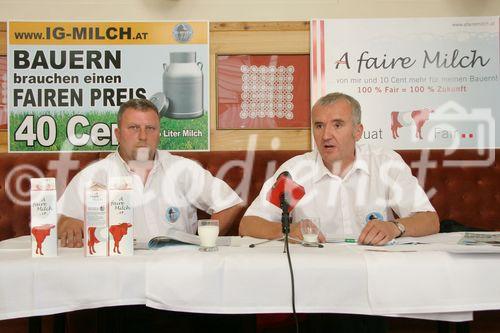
x: 118, y: 231
x: 40, y: 233
x: 92, y: 239
x: 401, y: 119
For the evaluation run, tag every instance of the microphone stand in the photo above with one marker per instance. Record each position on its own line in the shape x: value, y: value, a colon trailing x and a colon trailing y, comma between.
x: 285, y: 229
x: 285, y: 225
x: 285, y: 220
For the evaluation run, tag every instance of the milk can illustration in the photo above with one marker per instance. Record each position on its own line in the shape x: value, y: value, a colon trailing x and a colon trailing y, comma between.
x: 183, y: 86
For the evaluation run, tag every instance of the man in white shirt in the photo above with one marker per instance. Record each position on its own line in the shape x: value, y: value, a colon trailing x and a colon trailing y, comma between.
x: 353, y: 189
x: 168, y: 189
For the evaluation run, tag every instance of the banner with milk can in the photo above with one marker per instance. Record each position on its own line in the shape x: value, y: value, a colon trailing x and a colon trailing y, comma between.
x: 66, y: 81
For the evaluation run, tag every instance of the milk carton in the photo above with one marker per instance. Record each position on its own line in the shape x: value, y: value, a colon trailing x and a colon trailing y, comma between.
x: 43, y: 217
x: 121, y: 231
x: 96, y: 220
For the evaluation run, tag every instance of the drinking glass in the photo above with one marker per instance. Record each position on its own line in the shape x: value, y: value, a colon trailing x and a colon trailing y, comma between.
x: 310, y: 228
x: 208, y: 230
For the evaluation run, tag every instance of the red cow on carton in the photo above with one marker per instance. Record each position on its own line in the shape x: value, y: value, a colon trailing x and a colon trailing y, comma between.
x: 92, y: 239
x: 40, y: 233
x: 118, y: 231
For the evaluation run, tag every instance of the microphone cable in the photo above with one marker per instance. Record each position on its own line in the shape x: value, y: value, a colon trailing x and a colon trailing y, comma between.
x: 293, y: 284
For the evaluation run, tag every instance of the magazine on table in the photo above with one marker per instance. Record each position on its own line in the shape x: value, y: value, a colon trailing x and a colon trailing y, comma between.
x: 177, y: 237
x: 477, y: 238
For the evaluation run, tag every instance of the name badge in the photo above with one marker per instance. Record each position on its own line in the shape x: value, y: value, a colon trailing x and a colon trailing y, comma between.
x: 374, y: 216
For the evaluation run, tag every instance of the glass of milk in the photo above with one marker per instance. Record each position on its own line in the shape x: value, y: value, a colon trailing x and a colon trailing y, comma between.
x: 310, y: 228
x: 208, y: 230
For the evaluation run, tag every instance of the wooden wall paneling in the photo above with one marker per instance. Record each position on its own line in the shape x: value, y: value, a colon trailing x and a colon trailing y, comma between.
x: 261, y: 42
x: 3, y: 38
x: 255, y: 38
x: 260, y: 26
x: 3, y: 141
x: 3, y: 52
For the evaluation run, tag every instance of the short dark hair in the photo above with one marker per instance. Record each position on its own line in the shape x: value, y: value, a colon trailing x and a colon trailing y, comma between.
x: 140, y: 104
x: 331, y: 98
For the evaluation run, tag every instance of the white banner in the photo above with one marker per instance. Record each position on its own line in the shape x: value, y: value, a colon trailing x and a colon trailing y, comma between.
x: 421, y: 82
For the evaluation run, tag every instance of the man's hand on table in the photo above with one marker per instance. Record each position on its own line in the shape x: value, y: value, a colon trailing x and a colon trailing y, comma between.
x: 70, y: 231
x: 378, y: 232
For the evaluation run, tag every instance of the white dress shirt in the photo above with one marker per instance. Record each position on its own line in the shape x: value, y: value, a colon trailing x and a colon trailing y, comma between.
x: 378, y: 184
x: 174, y: 189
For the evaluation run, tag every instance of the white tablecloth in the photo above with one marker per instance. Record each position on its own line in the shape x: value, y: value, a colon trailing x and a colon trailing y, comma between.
x: 339, y: 278
x: 40, y: 286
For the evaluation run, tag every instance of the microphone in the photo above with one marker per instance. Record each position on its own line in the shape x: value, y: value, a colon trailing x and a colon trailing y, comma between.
x: 285, y: 193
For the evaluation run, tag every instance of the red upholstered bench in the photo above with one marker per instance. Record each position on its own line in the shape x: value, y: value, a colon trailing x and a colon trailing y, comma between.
x: 466, y: 194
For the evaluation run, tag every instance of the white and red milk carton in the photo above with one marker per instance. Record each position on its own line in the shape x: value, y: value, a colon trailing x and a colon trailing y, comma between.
x: 96, y: 220
x: 43, y: 217
x: 121, y: 216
